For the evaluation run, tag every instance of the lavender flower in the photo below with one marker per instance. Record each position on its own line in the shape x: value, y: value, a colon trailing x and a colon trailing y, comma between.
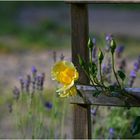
x: 108, y: 37
x: 139, y: 59
x: 119, y: 50
x: 16, y: 93
x: 94, y: 53
x: 48, y: 105
x: 40, y: 81
x: 111, y: 130
x: 94, y: 42
x: 54, y: 56
x: 132, y: 78
x: 21, y: 83
x: 62, y: 57
x: 122, y: 64
x: 133, y: 74
x: 136, y: 66
x: 27, y: 83
x: 34, y: 70
x: 111, y: 133
x: 94, y: 111
x: 10, y: 108
x: 104, y: 69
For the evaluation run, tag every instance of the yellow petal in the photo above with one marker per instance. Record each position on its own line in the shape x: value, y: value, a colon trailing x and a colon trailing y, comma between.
x: 57, y: 68
x: 70, y: 92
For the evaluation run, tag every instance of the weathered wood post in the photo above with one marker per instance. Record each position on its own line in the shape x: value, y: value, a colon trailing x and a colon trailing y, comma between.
x: 79, y: 39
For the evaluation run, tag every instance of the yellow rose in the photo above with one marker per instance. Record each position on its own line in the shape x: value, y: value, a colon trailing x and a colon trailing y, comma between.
x: 65, y: 73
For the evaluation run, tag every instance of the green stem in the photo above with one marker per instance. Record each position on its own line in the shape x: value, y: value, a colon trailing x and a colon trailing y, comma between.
x: 113, y: 67
x: 101, y: 77
x: 91, y: 80
x: 90, y: 55
x: 63, y: 119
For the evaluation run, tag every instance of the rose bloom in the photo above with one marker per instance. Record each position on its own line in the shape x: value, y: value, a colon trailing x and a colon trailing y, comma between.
x: 66, y: 74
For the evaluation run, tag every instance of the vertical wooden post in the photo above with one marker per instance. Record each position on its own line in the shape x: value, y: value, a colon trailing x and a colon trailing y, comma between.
x: 79, y: 36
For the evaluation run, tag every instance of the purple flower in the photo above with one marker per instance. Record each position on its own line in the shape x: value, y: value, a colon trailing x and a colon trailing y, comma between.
x: 94, y: 52
x: 108, y: 37
x: 136, y: 66
x: 16, y: 93
x: 133, y: 74
x: 21, y: 82
x: 120, y: 49
x: 10, y: 108
x: 54, y: 56
x: 111, y: 131
x: 104, y: 68
x: 94, y: 41
x: 48, y: 105
x: 139, y: 59
x: 62, y: 57
x: 34, y: 70
x: 93, y: 112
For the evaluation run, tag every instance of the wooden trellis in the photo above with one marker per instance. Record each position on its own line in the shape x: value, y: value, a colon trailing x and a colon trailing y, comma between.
x: 79, y: 38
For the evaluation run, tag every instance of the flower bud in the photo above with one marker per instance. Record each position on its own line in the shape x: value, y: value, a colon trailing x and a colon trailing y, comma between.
x: 113, y: 46
x: 90, y: 44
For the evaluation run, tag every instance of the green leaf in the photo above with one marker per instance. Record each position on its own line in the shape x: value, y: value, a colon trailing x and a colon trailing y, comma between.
x: 135, y: 128
x: 100, y: 56
x: 90, y: 44
x: 81, y: 61
x: 93, y: 69
x: 96, y: 93
x: 121, y: 75
x: 79, y: 93
x: 113, y: 46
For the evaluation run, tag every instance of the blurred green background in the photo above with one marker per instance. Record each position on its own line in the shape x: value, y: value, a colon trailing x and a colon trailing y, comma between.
x: 29, y: 34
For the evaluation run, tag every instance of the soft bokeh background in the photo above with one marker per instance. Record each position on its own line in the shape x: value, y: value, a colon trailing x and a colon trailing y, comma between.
x: 30, y: 32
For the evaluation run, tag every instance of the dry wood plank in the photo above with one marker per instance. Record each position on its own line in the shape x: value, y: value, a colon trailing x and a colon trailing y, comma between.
x: 79, y: 38
x: 103, y: 100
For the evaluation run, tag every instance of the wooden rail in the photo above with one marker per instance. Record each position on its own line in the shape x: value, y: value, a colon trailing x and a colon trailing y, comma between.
x: 103, y: 100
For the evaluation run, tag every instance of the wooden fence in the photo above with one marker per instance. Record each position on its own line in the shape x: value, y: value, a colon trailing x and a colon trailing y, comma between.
x: 79, y: 39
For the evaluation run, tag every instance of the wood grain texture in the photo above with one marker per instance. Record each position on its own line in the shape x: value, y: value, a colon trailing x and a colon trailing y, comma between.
x: 79, y: 39
x: 103, y: 100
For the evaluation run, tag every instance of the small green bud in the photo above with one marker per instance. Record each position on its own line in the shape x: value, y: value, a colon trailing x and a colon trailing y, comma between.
x: 113, y: 46
x: 90, y: 44
x: 100, y: 56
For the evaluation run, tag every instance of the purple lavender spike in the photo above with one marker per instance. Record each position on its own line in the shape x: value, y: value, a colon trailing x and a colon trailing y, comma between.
x: 16, y: 93
x: 104, y: 68
x: 48, y: 105
x: 34, y: 70
x: 94, y: 41
x: 108, y: 37
x: 54, y: 56
x: 133, y: 74
x: 62, y: 57
x: 136, y: 66
x: 21, y: 82
x: 27, y: 83
x: 111, y: 130
x: 120, y: 49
